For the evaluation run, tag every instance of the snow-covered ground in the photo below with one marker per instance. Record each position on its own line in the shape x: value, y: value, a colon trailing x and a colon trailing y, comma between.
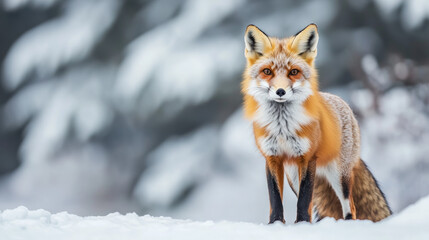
x: 21, y: 223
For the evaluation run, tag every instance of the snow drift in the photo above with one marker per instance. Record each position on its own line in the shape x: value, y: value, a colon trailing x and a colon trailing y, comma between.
x: 21, y: 223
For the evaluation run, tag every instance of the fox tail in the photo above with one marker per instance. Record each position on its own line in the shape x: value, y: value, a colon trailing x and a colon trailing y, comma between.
x: 369, y: 200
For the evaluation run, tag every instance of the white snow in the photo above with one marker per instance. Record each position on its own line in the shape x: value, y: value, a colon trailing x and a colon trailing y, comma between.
x: 178, y: 164
x: 21, y: 223
x: 414, y: 14
x: 72, y: 106
x: 192, y: 75
x: 146, y: 53
x: 11, y: 5
x: 53, y: 44
x: 394, y: 143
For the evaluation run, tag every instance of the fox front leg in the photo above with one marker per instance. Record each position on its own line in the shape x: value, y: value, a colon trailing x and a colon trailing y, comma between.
x: 275, y: 177
x: 305, y: 196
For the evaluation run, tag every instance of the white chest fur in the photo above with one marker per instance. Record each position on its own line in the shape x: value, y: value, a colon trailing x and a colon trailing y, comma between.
x: 282, y: 121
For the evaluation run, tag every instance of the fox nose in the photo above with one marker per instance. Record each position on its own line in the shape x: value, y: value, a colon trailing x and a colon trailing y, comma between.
x: 280, y: 92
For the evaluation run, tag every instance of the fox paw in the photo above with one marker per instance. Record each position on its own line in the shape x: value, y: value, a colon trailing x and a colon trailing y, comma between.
x: 303, y: 219
x: 277, y: 220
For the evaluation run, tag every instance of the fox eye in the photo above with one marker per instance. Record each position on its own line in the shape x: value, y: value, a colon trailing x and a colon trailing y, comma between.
x: 267, y: 71
x: 294, y: 72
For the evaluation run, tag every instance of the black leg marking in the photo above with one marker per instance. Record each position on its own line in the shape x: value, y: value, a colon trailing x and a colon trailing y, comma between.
x: 348, y: 216
x: 345, y: 184
x: 306, y: 193
x: 275, y: 199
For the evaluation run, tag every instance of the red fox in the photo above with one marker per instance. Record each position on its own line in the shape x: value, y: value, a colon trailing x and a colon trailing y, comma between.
x: 311, y: 137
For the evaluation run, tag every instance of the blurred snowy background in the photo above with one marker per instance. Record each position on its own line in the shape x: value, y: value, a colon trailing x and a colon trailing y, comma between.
x: 135, y: 106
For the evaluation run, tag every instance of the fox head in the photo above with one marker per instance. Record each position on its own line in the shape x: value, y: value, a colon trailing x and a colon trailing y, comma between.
x: 280, y: 70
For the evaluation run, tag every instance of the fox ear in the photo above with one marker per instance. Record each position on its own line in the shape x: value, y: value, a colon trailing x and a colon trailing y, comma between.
x: 305, y: 42
x: 257, y: 42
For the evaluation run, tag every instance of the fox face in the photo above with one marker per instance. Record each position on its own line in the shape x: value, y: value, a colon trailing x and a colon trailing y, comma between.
x: 280, y: 70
